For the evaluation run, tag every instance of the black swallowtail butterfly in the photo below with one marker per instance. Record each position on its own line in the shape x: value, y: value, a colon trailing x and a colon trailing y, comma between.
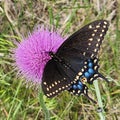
x: 75, y: 62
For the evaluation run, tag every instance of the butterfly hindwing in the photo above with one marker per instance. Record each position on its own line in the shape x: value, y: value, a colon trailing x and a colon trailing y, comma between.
x: 56, y: 78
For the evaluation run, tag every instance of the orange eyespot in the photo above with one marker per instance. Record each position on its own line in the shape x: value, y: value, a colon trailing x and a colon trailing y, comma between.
x: 84, y: 79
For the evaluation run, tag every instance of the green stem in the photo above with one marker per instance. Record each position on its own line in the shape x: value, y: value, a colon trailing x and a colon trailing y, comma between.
x: 101, y: 114
x: 43, y: 106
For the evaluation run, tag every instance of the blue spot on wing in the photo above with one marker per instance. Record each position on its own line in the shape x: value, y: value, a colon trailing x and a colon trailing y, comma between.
x: 80, y: 83
x: 74, y: 86
x: 87, y: 74
x: 79, y: 87
x: 91, y: 71
x: 90, y: 65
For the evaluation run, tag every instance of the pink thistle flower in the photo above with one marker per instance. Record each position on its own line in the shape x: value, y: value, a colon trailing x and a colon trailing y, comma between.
x: 31, y: 55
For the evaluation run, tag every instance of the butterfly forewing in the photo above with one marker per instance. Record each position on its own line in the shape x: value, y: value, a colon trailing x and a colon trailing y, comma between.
x: 85, y: 43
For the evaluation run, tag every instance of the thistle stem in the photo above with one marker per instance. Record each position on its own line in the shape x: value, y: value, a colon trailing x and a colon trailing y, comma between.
x: 100, y: 104
x: 43, y: 106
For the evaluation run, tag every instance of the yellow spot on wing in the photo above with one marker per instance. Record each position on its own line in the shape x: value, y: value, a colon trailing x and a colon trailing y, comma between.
x: 90, y: 26
x: 91, y: 39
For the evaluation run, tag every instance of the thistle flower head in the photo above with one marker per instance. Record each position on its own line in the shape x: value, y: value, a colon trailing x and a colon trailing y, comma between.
x: 31, y: 55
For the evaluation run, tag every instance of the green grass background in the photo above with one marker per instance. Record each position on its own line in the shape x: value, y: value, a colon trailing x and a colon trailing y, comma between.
x: 18, y: 18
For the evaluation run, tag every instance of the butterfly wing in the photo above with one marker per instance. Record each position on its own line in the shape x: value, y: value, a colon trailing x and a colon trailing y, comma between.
x: 56, y: 78
x: 84, y: 43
